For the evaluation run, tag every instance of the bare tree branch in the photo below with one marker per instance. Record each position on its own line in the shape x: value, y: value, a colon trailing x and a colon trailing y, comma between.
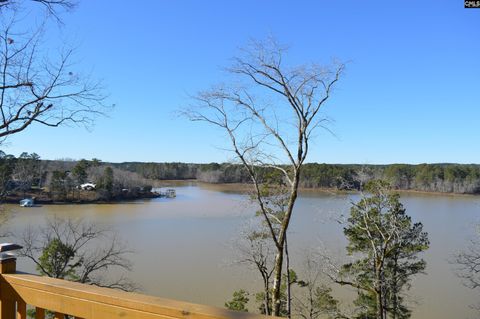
x: 248, y: 113
x: 71, y: 249
x: 36, y: 86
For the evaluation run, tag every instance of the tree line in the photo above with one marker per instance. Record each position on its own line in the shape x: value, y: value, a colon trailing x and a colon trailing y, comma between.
x: 60, y: 180
x: 28, y: 170
x: 444, y: 178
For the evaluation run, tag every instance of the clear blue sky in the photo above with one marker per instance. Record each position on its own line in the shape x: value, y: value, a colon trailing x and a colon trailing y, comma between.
x: 411, y: 93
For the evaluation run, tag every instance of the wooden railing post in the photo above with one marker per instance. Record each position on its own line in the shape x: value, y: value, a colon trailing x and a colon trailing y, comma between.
x: 8, y: 261
x: 8, y: 265
x: 39, y: 313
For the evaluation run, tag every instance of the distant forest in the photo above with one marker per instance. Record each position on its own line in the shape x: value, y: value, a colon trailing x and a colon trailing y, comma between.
x: 444, y: 178
x: 28, y: 176
x: 29, y: 170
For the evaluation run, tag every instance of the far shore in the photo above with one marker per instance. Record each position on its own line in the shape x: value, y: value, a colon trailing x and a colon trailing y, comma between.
x: 44, y: 199
x: 245, y: 188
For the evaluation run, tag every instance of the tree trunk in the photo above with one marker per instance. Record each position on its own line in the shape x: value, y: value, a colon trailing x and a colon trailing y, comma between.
x: 266, y: 299
x: 277, y: 281
x: 379, y: 293
x: 395, y: 290
x: 281, y: 245
x: 289, y: 295
x: 379, y: 305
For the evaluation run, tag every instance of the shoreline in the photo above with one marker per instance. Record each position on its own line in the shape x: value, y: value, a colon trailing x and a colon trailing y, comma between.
x: 41, y: 200
x: 245, y: 187
x: 242, y: 188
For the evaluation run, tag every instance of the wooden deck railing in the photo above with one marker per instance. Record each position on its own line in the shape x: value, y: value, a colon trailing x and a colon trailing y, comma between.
x: 17, y: 290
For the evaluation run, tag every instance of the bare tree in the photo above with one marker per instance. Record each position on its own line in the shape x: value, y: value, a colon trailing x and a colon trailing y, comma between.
x: 52, y: 7
x: 275, y: 194
x: 468, y: 265
x: 469, y: 262
x: 37, y: 86
x: 78, y: 251
x: 254, y: 249
x: 314, y: 299
x: 26, y: 171
x: 269, y: 114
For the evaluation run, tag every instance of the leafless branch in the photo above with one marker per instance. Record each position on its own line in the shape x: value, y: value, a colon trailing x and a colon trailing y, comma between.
x: 87, y: 261
x: 37, y: 88
x: 249, y: 114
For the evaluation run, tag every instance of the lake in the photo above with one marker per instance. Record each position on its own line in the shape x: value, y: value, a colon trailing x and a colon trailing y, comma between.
x: 183, y: 246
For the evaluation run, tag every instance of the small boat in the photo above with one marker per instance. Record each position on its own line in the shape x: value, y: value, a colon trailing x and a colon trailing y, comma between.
x: 27, y: 202
x: 170, y: 193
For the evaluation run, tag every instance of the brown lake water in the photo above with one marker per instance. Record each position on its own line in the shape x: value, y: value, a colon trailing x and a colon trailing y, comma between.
x: 183, y: 246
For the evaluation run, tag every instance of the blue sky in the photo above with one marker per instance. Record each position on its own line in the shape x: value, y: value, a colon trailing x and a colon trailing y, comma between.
x: 411, y: 93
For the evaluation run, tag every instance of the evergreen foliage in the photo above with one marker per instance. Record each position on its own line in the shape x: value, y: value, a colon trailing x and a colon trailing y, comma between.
x: 445, y: 178
x: 239, y: 301
x: 385, y: 244
x: 56, y: 260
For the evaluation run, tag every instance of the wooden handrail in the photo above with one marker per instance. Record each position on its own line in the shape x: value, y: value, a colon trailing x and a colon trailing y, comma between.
x: 90, y: 302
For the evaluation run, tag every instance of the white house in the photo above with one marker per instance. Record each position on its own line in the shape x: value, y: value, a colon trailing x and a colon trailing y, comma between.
x: 88, y: 186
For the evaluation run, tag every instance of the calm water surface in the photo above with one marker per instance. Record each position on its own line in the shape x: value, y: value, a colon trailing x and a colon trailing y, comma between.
x: 183, y: 245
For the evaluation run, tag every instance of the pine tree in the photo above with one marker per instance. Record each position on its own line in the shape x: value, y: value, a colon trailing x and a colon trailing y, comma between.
x: 386, y: 244
x: 239, y: 301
